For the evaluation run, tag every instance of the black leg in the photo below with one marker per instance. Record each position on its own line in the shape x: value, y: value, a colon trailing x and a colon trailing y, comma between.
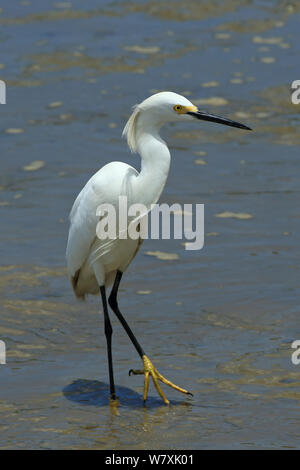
x: 149, y: 369
x: 108, y: 334
x: 114, y: 305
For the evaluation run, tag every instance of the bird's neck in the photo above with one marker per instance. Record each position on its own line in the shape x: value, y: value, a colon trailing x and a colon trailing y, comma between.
x: 155, y: 162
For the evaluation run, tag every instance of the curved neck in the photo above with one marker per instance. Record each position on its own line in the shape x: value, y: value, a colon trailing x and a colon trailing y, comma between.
x: 155, y: 163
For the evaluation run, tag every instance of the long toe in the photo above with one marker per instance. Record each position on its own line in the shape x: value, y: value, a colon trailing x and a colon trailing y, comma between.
x: 150, y: 370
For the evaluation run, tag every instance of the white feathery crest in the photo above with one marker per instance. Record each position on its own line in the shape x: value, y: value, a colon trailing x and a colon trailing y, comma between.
x: 130, y: 129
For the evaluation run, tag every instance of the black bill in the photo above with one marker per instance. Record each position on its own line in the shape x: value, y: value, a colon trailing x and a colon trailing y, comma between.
x: 204, y: 116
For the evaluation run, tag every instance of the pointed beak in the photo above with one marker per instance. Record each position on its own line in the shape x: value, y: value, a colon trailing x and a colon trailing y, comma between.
x: 204, y: 116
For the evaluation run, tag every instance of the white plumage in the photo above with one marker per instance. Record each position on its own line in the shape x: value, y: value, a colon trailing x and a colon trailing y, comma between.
x: 91, y: 261
x: 85, y: 251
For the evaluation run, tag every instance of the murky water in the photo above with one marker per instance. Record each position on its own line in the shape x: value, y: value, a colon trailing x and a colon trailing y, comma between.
x: 219, y: 321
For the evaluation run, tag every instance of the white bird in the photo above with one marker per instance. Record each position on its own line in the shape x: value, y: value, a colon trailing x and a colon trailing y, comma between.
x: 94, y: 264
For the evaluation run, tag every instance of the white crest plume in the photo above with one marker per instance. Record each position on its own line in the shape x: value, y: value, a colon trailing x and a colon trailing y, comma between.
x: 130, y: 129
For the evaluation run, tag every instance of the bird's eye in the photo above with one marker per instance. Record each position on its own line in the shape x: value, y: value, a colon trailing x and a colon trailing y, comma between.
x: 177, y: 107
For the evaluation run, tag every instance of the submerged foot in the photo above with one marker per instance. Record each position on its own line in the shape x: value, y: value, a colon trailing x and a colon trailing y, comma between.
x: 113, y: 401
x: 149, y: 369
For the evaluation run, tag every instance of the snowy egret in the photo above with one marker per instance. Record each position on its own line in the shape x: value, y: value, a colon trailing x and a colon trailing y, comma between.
x: 95, y: 264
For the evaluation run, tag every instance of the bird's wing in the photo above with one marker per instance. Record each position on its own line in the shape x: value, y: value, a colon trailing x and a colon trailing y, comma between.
x: 104, y: 187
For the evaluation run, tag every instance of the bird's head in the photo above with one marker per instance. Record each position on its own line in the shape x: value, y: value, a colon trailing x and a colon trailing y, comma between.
x: 165, y: 107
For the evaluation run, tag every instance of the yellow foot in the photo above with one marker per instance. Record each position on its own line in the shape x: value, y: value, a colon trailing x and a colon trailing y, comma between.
x: 149, y: 369
x: 114, y: 401
x: 114, y: 405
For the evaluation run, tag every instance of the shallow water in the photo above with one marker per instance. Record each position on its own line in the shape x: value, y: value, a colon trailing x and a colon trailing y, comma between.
x: 219, y: 321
